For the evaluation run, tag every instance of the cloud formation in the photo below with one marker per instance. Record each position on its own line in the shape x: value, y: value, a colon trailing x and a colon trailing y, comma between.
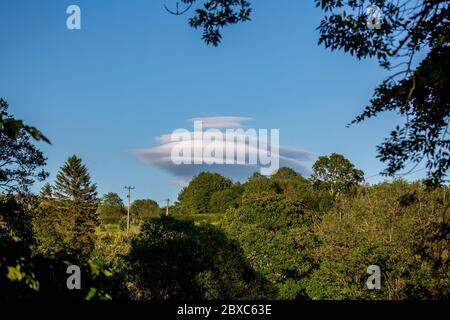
x: 162, y: 158
x: 221, y: 122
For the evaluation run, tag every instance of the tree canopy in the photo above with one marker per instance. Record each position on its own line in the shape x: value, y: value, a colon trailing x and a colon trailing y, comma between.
x: 143, y: 209
x: 111, y: 208
x: 21, y: 163
x: 336, y: 173
x: 66, y: 222
x: 195, y: 198
x: 74, y: 183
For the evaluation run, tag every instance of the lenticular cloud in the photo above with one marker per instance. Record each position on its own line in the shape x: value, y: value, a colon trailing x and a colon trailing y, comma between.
x: 161, y: 156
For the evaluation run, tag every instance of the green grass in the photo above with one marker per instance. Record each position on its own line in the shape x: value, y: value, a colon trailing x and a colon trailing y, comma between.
x: 213, y: 218
x: 115, y: 228
x: 198, y: 218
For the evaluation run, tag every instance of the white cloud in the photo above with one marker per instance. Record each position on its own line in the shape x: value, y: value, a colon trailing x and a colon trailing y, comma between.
x: 160, y: 156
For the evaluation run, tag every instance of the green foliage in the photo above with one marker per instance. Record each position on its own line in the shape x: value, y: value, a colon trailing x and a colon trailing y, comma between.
x: 111, y: 250
x: 17, y: 277
x: 15, y: 218
x: 74, y: 183
x: 13, y: 128
x: 419, y: 94
x: 336, y: 173
x: 46, y: 191
x: 67, y: 222
x: 258, y: 185
x: 422, y: 99
x: 21, y: 162
x: 271, y: 232
x: 214, y: 15
x: 51, y: 271
x: 287, y: 174
x: 64, y: 226
x: 173, y: 259
x: 111, y: 208
x: 144, y: 209
x: 289, y: 184
x: 212, y: 218
x: 408, y: 241
x: 26, y: 274
x: 229, y: 198
x: 195, y: 198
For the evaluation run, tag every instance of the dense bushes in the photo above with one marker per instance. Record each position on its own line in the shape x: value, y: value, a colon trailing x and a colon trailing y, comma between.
x: 324, y: 254
x: 28, y: 273
x: 173, y: 259
x: 408, y: 240
x: 271, y: 231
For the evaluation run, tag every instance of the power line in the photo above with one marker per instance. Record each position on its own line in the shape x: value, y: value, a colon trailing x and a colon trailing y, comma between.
x: 397, y: 174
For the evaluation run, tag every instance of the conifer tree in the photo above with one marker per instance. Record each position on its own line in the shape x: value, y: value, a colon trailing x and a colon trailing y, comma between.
x: 74, y: 183
x: 46, y: 191
x: 67, y: 223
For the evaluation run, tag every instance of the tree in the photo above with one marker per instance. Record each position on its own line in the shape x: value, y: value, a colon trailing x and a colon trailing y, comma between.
x: 408, y: 30
x: 258, y: 185
x: 143, y: 209
x: 67, y: 222
x: 74, y: 183
x: 111, y: 208
x: 285, y: 173
x: 336, y: 173
x: 16, y: 218
x: 271, y: 230
x: 195, y: 198
x: 221, y: 201
x: 46, y: 191
x: 215, y: 15
x: 295, y: 187
x: 419, y: 94
x: 21, y: 162
x: 409, y: 241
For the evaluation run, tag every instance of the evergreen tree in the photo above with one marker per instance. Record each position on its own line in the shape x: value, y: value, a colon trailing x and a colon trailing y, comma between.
x: 46, y: 191
x: 74, y: 183
x: 67, y: 223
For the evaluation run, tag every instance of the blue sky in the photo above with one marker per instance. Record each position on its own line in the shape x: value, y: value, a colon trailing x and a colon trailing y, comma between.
x: 134, y: 72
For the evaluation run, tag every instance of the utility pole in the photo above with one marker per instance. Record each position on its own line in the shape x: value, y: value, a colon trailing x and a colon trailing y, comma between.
x: 167, y: 206
x: 129, y: 205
